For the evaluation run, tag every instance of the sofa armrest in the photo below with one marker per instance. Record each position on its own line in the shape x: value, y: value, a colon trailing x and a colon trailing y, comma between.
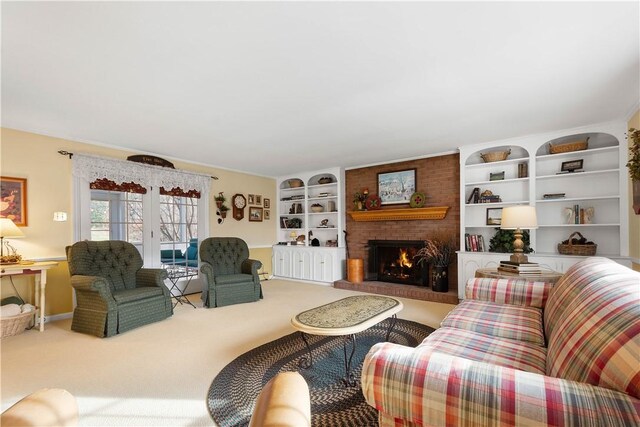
x: 527, y: 293
x: 93, y: 290
x: 250, y: 266
x: 284, y: 402
x: 49, y: 407
x: 426, y: 387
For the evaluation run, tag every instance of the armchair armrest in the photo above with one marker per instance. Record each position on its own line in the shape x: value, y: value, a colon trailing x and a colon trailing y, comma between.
x: 207, y: 270
x: 250, y: 266
x: 45, y: 407
x: 149, y: 277
x: 93, y: 288
x: 426, y: 387
x: 527, y: 293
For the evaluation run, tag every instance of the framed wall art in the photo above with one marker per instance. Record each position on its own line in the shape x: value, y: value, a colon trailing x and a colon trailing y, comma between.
x: 494, y: 216
x: 251, y: 199
x: 267, y: 215
x: 267, y: 203
x: 255, y: 214
x: 258, y: 200
x: 13, y: 200
x: 571, y: 165
x: 396, y: 188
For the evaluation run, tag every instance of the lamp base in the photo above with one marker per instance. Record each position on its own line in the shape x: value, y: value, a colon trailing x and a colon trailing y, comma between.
x: 519, y: 257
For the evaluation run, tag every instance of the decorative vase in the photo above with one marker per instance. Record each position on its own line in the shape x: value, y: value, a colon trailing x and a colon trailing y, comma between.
x: 440, y: 278
x: 636, y: 196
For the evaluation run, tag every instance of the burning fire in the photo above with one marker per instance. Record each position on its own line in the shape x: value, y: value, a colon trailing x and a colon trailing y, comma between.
x: 403, y: 259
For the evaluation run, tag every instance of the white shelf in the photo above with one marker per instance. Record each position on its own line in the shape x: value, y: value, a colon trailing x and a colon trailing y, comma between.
x: 286, y: 190
x: 575, y: 174
x: 577, y: 199
x: 331, y: 184
x: 323, y: 213
x: 577, y: 225
x: 469, y: 184
x: 323, y: 198
x: 494, y: 204
x: 577, y: 153
x: 498, y: 163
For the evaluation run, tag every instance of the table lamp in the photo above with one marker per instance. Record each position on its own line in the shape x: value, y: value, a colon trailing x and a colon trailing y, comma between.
x: 8, y: 229
x: 517, y: 218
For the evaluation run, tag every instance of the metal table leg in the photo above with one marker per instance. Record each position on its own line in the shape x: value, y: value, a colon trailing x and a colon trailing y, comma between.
x: 392, y: 322
x: 180, y: 297
x: 349, y: 379
x: 305, y: 362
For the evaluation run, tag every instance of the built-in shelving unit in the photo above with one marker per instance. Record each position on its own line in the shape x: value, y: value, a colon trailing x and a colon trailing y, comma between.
x: 310, y: 204
x: 600, y: 186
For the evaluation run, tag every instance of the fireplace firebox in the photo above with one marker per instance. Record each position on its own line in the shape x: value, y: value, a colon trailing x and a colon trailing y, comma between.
x: 393, y: 261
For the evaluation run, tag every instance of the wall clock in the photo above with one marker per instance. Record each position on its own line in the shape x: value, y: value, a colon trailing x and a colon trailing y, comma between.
x: 239, y: 203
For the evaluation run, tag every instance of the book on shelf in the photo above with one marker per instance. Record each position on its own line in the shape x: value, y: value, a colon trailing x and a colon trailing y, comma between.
x: 553, y: 196
x: 474, y: 243
x: 474, y: 196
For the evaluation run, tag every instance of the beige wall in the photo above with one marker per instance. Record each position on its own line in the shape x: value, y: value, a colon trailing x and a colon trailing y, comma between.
x: 49, y: 189
x: 634, y: 220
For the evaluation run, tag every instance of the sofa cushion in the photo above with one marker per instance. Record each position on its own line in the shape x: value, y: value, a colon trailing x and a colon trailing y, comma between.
x: 483, y: 348
x: 529, y: 293
x: 498, y: 320
x: 233, y: 278
x: 592, y: 326
x: 136, y: 294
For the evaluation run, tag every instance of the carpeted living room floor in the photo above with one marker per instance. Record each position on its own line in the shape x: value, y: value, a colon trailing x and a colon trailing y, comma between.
x: 159, y: 375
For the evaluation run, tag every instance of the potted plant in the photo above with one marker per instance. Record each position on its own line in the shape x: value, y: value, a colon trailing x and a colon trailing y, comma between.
x: 223, y: 210
x: 439, y: 252
x: 634, y: 166
x: 220, y: 199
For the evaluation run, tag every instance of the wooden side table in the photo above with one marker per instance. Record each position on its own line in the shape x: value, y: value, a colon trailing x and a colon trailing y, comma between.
x: 548, y: 276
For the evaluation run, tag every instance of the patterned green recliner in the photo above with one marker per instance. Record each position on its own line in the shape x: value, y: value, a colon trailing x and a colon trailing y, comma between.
x: 113, y: 292
x: 230, y: 276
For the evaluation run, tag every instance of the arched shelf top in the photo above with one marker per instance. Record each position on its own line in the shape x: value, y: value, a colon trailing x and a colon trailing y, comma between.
x: 322, y: 179
x: 595, y: 140
x: 292, y: 184
x: 516, y: 153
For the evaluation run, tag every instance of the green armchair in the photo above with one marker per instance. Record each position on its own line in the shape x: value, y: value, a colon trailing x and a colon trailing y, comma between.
x: 113, y: 292
x: 230, y: 276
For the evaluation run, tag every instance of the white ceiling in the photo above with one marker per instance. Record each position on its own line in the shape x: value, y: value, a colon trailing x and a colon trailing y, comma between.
x: 278, y: 87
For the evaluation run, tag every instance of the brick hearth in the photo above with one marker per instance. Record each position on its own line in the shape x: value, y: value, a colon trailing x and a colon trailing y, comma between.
x: 422, y: 293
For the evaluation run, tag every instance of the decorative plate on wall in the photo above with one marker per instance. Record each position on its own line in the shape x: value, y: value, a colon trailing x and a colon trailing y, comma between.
x: 417, y: 200
x: 372, y: 202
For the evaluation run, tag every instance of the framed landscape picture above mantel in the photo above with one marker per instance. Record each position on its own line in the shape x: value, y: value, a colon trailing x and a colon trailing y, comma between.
x: 395, y: 188
x: 13, y: 200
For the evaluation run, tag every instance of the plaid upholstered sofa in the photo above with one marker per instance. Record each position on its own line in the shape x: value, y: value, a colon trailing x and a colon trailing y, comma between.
x: 521, y: 353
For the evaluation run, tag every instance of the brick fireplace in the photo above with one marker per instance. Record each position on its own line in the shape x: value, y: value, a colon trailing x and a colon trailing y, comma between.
x: 439, y: 178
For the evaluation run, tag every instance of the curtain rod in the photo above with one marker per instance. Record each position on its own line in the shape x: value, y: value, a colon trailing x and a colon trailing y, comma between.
x: 67, y: 153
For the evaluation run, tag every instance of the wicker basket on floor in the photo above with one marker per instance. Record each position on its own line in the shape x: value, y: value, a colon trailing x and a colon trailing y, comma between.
x: 15, y: 325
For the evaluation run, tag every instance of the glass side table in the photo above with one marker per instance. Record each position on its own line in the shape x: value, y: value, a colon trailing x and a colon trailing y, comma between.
x: 175, y: 273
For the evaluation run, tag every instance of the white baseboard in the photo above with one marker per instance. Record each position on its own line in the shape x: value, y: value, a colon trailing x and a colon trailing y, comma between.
x: 55, y: 317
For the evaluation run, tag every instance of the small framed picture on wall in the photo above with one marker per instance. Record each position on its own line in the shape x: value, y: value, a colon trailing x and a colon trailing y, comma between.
x: 267, y: 203
x: 267, y: 215
x: 255, y: 214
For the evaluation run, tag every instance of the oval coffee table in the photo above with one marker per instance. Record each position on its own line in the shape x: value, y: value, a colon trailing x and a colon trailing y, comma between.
x: 345, y: 317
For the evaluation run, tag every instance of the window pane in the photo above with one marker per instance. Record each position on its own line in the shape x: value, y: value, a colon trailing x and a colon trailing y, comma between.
x: 117, y: 215
x: 178, y: 226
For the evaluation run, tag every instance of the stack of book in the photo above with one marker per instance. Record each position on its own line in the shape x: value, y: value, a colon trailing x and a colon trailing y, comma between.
x: 523, y: 269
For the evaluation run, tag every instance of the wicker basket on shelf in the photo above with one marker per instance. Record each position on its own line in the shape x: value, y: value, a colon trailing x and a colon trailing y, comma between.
x: 14, y: 325
x: 576, y: 249
x: 495, y: 156
x: 568, y: 147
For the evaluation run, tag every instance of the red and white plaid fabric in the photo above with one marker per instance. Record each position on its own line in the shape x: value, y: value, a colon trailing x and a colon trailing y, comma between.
x: 498, y: 320
x: 593, y: 324
x: 421, y: 387
x: 478, y: 370
x: 483, y: 348
x: 526, y: 293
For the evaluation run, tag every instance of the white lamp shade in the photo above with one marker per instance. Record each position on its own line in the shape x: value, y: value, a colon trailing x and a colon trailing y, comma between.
x: 9, y: 229
x: 523, y: 217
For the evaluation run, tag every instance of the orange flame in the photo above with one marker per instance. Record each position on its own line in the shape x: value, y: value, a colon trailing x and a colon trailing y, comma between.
x: 403, y: 259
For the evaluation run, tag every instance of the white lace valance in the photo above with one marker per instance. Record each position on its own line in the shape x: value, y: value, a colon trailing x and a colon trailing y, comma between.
x: 92, y: 168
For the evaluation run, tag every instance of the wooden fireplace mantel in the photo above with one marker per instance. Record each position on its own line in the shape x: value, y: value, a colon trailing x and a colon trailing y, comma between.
x: 409, y: 214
